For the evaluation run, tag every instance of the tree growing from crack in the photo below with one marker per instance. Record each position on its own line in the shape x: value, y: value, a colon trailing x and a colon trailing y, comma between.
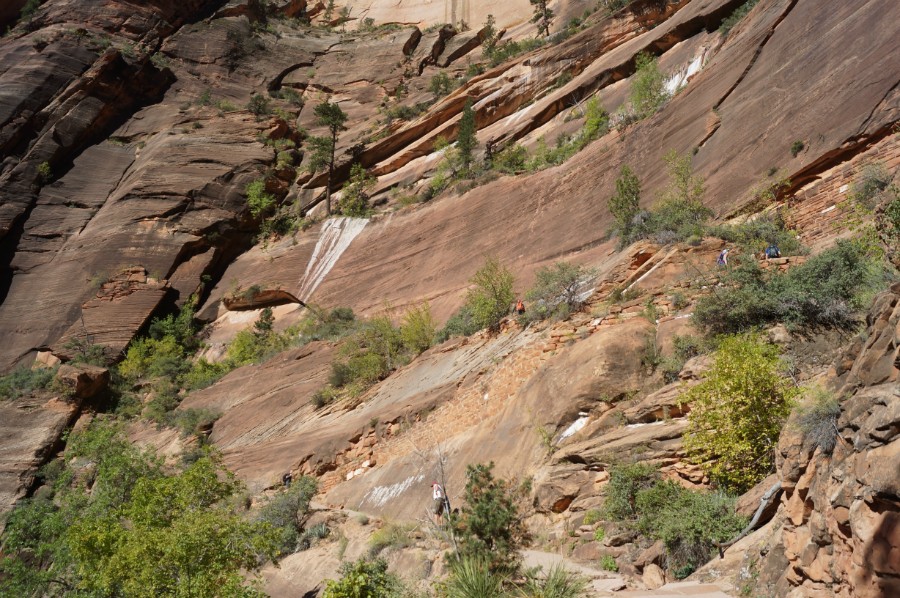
x: 327, y: 115
x: 542, y: 17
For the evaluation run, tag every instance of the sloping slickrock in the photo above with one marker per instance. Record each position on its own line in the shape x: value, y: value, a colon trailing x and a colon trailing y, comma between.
x: 316, y: 442
x: 596, y: 368
x: 30, y: 427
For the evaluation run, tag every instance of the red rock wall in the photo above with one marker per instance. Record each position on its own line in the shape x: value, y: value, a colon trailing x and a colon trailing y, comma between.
x: 841, y: 535
x: 818, y: 210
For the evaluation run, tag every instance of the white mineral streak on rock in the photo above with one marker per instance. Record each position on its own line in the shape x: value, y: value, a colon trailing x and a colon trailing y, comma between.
x: 575, y: 427
x: 334, y: 238
x: 380, y: 495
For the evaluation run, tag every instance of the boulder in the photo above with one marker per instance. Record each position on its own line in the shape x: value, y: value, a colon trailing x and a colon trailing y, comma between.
x: 83, y: 381
x: 653, y: 577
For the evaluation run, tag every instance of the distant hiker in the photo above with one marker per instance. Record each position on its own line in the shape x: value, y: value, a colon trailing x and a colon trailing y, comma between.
x: 520, y: 307
x: 723, y: 258
x: 286, y: 479
x: 437, y: 503
x: 772, y: 252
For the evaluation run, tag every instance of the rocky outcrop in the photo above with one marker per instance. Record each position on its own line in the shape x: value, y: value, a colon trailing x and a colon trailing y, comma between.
x: 841, y: 509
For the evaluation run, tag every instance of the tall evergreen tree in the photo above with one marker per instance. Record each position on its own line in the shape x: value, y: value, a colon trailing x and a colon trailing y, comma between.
x: 328, y: 115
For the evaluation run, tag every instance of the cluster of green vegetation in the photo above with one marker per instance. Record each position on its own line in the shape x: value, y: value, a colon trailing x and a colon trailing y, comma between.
x: 374, y: 348
x: 683, y: 348
x: 355, y: 194
x: 679, y: 213
x: 754, y: 236
x: 115, y: 522
x: 489, y: 526
x: 596, y: 124
x: 555, y: 293
x: 487, y: 302
x: 826, y: 290
x: 648, y: 92
x: 689, y: 523
x: 735, y: 17
x: 441, y: 84
x: 23, y: 381
x: 738, y: 411
x: 817, y: 419
x: 286, y: 512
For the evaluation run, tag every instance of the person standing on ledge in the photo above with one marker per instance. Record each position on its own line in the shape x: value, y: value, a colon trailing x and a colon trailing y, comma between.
x: 437, y: 503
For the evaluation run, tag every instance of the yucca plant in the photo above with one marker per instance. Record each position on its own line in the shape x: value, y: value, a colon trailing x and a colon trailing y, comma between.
x: 558, y: 583
x: 471, y: 577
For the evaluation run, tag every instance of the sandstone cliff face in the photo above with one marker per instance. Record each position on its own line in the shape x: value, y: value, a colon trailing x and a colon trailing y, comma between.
x: 122, y: 192
x: 841, y: 530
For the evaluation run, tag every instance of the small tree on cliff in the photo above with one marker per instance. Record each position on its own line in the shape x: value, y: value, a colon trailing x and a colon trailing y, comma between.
x: 543, y: 16
x: 490, y: 526
x: 625, y: 203
x: 466, y: 141
x: 327, y: 115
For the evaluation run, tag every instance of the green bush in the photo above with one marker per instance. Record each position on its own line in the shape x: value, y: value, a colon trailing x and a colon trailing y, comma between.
x: 490, y: 297
x: 390, y: 535
x: 826, y: 290
x: 754, y: 236
x: 325, y: 325
x: 624, y: 205
x: 737, y: 413
x: 179, y: 326
x: 556, y: 287
x: 418, y: 329
x: 286, y: 511
x: 355, y: 195
x: 797, y: 147
x: 204, y: 373
x: 258, y: 200
x: 131, y: 528
x: 735, y: 17
x: 625, y: 482
x: 154, y: 358
x: 259, y: 105
x: 23, y: 381
x: 608, y: 563
x: 679, y: 214
x: 441, y: 84
x: 462, y: 323
x: 364, y: 579
x: 648, y: 87
x: 511, y: 159
x: 872, y: 180
x: 592, y: 516
x: 688, y: 522
x: 191, y: 421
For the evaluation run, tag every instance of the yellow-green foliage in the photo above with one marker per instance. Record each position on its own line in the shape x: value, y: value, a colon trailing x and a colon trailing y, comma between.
x: 737, y: 412
x: 150, y: 357
x: 418, y: 328
x: 491, y: 295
